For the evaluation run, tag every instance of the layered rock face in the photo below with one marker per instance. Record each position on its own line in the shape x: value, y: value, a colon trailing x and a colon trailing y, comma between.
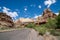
x: 6, y: 20
x: 23, y: 22
x: 40, y: 20
x: 47, y: 13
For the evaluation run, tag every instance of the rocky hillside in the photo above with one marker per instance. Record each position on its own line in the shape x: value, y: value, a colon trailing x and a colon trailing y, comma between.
x: 23, y: 21
x: 47, y: 13
x: 5, y: 20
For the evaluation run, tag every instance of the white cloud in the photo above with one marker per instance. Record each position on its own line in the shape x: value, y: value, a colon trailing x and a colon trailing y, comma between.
x: 8, y: 12
x: 49, y: 2
x: 25, y: 9
x: 32, y: 5
x: 56, y: 13
x: 39, y: 6
x: 6, y: 8
x: 40, y: 15
x: 36, y: 16
x: 0, y: 7
x: 12, y: 14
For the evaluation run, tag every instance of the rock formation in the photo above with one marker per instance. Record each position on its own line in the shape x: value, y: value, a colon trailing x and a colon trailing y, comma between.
x: 6, y: 20
x: 23, y: 22
x: 47, y: 13
x: 40, y: 20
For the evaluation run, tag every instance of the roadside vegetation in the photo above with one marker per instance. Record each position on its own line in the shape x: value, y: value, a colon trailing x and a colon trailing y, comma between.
x: 52, y: 26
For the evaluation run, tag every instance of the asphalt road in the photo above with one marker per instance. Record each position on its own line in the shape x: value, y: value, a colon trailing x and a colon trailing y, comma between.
x: 15, y: 35
x: 24, y: 34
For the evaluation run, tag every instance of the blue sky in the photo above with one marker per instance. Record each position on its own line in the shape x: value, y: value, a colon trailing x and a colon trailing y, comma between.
x: 28, y: 8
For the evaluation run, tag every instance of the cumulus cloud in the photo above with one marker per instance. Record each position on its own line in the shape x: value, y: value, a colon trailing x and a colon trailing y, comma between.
x: 32, y: 5
x: 39, y: 6
x: 56, y: 13
x: 13, y: 14
x: 49, y: 2
x: 36, y: 16
x: 25, y: 9
x: 0, y: 7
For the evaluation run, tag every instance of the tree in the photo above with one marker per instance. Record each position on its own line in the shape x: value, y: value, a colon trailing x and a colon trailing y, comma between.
x: 58, y: 21
x: 51, y: 23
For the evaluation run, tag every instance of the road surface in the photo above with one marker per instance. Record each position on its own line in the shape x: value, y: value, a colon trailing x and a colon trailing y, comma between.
x: 24, y: 34
x: 15, y: 35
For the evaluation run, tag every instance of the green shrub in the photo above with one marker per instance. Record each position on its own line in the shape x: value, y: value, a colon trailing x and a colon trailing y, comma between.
x: 51, y: 23
x: 31, y: 25
x: 55, y: 32
x: 58, y: 21
x: 41, y: 30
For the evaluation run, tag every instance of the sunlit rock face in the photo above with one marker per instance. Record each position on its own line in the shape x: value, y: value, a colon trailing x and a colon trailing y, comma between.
x: 47, y: 13
x: 40, y: 20
x: 6, y: 20
x: 23, y: 22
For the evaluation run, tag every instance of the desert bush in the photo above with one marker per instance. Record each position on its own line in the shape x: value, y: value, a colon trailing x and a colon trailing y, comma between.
x: 55, y: 32
x: 58, y: 21
x: 51, y: 23
x: 41, y: 30
x: 31, y: 25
